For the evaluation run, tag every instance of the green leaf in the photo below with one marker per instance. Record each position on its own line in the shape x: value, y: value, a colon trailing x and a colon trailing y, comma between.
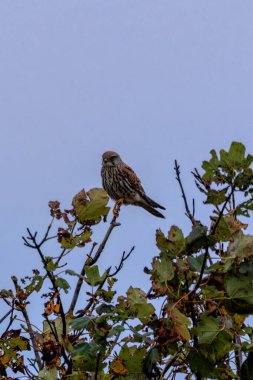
x: 241, y: 246
x: 104, y: 309
x: 207, y: 329
x: 36, y: 284
x: 85, y: 356
x: 244, y: 208
x: 50, y: 265
x: 91, y: 206
x: 240, y: 286
x: 210, y: 291
x: 56, y: 325
x: 217, y: 197
x: 48, y: 374
x: 70, y: 241
x: 92, y: 275
x: 222, y: 232
x: 82, y: 323
x: 163, y: 268
x: 196, y: 262
x: 116, y: 330
x: 62, y: 284
x: 133, y: 358
x: 152, y: 357
x: 85, y: 349
x: 247, y: 368
x: 18, y: 343
x: 236, y: 154
x: 211, y: 167
x: 137, y: 302
x: 197, y: 239
x: 173, y: 244
x: 246, y: 267
x: 220, y: 346
x: 71, y: 272
x: 198, y: 363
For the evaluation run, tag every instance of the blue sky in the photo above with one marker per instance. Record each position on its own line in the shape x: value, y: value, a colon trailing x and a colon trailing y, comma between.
x: 154, y: 81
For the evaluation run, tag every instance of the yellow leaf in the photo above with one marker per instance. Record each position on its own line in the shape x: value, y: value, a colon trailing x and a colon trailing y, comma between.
x: 117, y: 367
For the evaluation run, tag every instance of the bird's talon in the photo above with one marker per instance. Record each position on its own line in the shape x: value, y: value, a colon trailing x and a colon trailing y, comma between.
x: 115, y: 212
x: 120, y: 202
x: 116, y: 208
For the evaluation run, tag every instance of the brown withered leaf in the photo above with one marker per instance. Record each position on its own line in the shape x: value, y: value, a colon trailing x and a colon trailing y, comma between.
x: 62, y: 233
x: 51, y: 351
x: 55, y: 209
x: 18, y: 365
x: 11, y: 334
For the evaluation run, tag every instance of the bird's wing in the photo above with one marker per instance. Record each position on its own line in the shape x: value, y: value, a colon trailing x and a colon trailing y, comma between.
x: 132, y: 178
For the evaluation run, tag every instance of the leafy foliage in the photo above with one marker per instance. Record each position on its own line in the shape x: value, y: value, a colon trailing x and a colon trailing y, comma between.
x: 202, y: 280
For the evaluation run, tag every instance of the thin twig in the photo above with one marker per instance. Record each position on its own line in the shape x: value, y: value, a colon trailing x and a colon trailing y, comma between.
x: 5, y: 316
x: 79, y: 283
x: 91, y: 261
x: 51, y: 277
x: 169, y: 363
x: 101, y: 247
x: 97, y: 366
x: 28, y: 323
x: 11, y: 319
x: 238, y: 353
x: 188, y: 213
x: 201, y: 271
x: 115, y: 342
x: 124, y: 257
x: 32, y: 237
x: 45, y: 238
x: 107, y: 275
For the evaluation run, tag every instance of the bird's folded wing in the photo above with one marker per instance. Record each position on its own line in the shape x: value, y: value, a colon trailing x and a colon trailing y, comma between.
x: 132, y: 178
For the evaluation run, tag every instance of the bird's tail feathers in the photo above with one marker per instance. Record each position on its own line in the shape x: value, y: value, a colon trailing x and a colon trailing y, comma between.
x: 152, y: 203
x: 151, y: 210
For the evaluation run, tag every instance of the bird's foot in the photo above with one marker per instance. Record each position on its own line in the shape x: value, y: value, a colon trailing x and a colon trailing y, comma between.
x: 120, y: 202
x: 116, y: 208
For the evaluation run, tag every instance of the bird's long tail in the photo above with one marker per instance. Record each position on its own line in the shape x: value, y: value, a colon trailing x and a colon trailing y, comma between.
x: 152, y: 210
x: 152, y: 203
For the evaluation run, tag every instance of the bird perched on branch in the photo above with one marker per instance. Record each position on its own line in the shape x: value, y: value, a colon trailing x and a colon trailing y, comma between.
x: 122, y: 185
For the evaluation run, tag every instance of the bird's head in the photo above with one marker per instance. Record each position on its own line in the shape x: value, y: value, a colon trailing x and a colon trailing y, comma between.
x: 111, y: 158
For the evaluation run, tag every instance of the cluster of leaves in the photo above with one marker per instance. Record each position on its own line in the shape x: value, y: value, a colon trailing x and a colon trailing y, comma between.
x: 202, y: 282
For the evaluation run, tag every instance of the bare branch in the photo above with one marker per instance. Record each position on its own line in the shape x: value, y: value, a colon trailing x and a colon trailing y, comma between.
x: 5, y: 316
x: 92, y: 260
x: 80, y: 282
x: 188, y: 213
x: 12, y: 318
x: 169, y: 363
x: 28, y: 323
x: 124, y: 257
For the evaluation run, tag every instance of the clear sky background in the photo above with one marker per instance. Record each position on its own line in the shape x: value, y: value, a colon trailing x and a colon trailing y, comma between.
x: 152, y: 80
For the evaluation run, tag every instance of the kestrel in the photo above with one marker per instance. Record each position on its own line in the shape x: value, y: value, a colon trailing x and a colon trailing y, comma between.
x: 122, y: 184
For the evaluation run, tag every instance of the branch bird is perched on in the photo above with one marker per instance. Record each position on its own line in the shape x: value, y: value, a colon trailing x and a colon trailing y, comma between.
x: 122, y: 184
